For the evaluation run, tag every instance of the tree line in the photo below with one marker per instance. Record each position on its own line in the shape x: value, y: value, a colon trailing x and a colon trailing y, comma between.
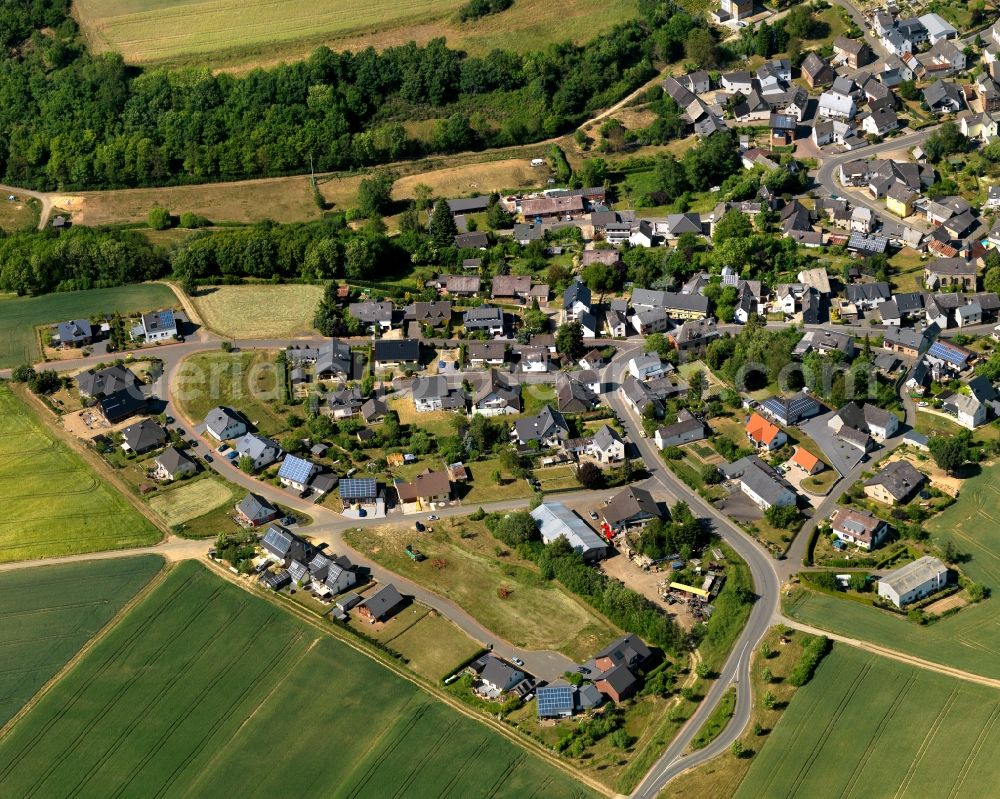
x: 74, y: 120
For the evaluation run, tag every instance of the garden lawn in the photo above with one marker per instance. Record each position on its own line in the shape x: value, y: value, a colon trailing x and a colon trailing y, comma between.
x: 432, y: 645
x: 536, y: 614
x: 44, y: 625
x: 968, y: 640
x: 19, y: 316
x: 483, y: 489
x: 188, y: 501
x: 197, y: 688
x: 248, y: 382
x: 870, y: 727
x: 259, y: 311
x: 53, y: 503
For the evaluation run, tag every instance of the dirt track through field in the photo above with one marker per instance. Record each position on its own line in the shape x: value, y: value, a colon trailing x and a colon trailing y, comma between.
x: 893, y: 654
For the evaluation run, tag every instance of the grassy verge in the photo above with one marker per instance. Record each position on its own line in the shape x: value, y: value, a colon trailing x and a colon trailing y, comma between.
x: 717, y: 720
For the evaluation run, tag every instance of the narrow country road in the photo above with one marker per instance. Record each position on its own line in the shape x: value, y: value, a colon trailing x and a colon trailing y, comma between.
x: 44, y: 199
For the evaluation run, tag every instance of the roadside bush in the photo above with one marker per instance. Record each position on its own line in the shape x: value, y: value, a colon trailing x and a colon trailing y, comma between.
x: 813, y: 652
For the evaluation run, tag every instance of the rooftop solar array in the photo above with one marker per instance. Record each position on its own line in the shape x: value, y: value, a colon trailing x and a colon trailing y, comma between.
x: 358, y: 488
x: 555, y: 700
x: 295, y: 469
x: 944, y: 352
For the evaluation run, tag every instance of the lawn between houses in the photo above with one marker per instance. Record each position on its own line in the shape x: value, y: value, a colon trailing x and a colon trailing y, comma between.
x: 20, y: 316
x: 44, y: 625
x: 58, y: 506
x: 969, y: 639
x: 873, y: 727
x: 535, y: 613
x: 201, y: 679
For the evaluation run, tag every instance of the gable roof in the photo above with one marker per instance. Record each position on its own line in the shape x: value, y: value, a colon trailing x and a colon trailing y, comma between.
x: 144, y: 435
x: 899, y: 478
x: 630, y: 503
x: 760, y: 430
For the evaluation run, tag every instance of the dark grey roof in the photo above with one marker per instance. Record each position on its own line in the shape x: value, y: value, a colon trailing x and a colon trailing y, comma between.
x: 105, y: 381
x: 404, y: 350
x: 256, y: 508
x: 548, y: 422
x: 121, y: 404
x: 899, y: 478
x: 483, y: 316
x: 75, y: 331
x: 144, y: 435
x: 628, y: 504
x: 384, y: 602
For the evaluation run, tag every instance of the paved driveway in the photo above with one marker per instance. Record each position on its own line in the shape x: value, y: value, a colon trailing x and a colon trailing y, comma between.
x: 842, y: 455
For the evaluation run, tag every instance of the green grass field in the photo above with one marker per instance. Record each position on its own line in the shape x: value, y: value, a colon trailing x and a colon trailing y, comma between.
x: 44, y: 624
x: 968, y: 640
x: 230, y: 33
x: 870, y: 727
x: 19, y: 316
x: 53, y: 503
x: 205, y: 690
x: 236, y: 311
x: 244, y: 381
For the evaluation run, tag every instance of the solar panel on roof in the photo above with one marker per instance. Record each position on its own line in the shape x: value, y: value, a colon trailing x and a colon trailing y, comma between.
x: 945, y: 353
x: 295, y: 469
x: 357, y: 488
x: 555, y: 700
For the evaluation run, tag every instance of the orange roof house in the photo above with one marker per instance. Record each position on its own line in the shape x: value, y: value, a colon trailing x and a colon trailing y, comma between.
x: 807, y: 461
x: 764, y: 434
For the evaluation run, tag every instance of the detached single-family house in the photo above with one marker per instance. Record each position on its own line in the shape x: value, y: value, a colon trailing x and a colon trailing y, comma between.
x: 496, y: 396
x: 646, y: 367
x: 486, y: 317
x: 296, y: 472
x: 104, y: 382
x: 498, y: 676
x: 382, y: 605
x: 548, y: 428
x: 156, y: 326
x: 254, y: 510
x: 894, y: 483
x: 372, y: 314
x: 629, y: 509
x: 606, y: 446
x: 393, y: 354
x: 853, y: 52
x: 860, y: 528
x: 683, y: 431
x: 75, y: 333
x: 763, y: 434
x: 143, y: 436
x: 576, y: 301
x: 426, y: 489
x: 944, y: 98
x: 262, y: 451
x: 172, y: 464
x: 224, y: 424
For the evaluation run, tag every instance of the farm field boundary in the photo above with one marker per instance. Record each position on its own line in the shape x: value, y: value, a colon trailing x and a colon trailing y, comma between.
x: 44, y: 626
x: 192, y: 684
x: 19, y: 316
x: 61, y: 506
x: 866, y: 726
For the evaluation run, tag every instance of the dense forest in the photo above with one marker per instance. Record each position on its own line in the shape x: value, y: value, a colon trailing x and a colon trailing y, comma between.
x: 73, y: 120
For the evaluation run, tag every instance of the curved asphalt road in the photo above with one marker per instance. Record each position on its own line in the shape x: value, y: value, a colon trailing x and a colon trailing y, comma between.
x: 766, y: 584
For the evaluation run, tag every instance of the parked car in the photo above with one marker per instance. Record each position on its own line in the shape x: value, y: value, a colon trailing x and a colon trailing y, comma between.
x: 181, y: 432
x: 593, y: 515
x: 209, y: 459
x: 923, y: 403
x: 433, y: 518
x: 170, y: 420
x: 517, y: 661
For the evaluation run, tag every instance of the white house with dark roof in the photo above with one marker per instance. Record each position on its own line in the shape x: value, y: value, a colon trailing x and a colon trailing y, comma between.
x: 156, y: 326
x: 261, y: 450
x: 224, y: 424
x: 555, y: 521
x: 172, y: 464
x: 606, y: 446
